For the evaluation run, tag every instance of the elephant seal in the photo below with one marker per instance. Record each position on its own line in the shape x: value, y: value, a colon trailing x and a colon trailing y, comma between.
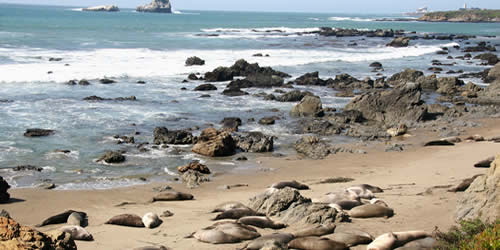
x: 279, y: 238
x: 261, y: 222
x: 318, y: 230
x: 484, y: 163
x: 424, y: 243
x: 129, y: 220
x: 362, y: 192
x: 75, y: 219
x: 60, y: 218
x: 464, y: 184
x: 226, y: 232
x: 152, y: 248
x: 172, y: 196
x: 151, y: 220
x: 316, y: 243
x: 77, y: 233
x: 373, y: 189
x: 389, y: 241
x: 348, y: 204
x: 242, y: 232
x: 378, y: 202
x: 292, y: 184
x: 223, y: 207
x: 371, y: 210
x: 214, y: 236
x: 351, y: 238
x: 237, y: 213
x: 333, y: 197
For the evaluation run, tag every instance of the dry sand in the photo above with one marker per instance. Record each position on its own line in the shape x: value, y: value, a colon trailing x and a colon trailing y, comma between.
x: 403, y: 175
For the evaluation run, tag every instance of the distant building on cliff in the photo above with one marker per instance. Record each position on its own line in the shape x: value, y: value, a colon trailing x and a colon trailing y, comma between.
x: 466, y: 8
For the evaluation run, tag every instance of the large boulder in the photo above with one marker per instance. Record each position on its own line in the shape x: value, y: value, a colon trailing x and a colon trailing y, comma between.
x: 310, y: 79
x: 178, y: 137
x: 408, y: 75
x: 493, y: 90
x: 291, y: 207
x: 194, y: 166
x: 16, y: 237
x: 490, y: 58
x: 308, y: 106
x: 219, y: 74
x: 392, y: 107
x: 293, y: 96
x: 194, y: 60
x: 215, y: 143
x: 482, y: 198
x: 255, y: 142
x: 312, y: 147
x: 157, y: 6
x: 103, y: 8
x: 112, y: 157
x: 4, y: 186
x: 399, y: 42
x: 448, y: 85
x: 243, y: 68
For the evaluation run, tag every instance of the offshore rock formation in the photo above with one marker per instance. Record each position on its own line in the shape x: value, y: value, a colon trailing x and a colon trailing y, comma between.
x: 156, y: 6
x: 103, y: 8
x: 472, y: 16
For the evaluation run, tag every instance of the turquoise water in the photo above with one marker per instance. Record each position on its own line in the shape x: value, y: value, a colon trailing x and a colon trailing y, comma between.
x: 129, y: 46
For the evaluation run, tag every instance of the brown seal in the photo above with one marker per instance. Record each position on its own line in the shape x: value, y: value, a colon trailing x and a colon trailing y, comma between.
x: 279, y: 238
x: 172, y: 196
x: 316, y: 243
x: 77, y: 233
x: 226, y: 232
x: 60, y: 218
x: 223, y: 207
x: 292, y: 184
x: 237, y: 213
x: 370, y: 211
x: 261, y: 222
x: 318, y: 230
x: 351, y: 237
x: 129, y: 220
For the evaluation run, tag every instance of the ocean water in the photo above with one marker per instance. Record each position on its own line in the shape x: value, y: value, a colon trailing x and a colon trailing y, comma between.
x: 129, y: 46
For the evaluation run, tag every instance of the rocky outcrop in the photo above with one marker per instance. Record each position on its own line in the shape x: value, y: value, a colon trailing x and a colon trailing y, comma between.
x: 156, y: 6
x: 243, y: 68
x: 255, y: 142
x: 392, y: 107
x: 193, y: 179
x: 194, y: 166
x: 16, y: 237
x: 215, y: 143
x: 112, y: 157
x: 205, y: 87
x: 408, y: 75
x: 194, y: 60
x: 177, y: 137
x: 399, y: 42
x: 482, y: 198
x: 310, y: 79
x: 312, y: 147
x: 291, y: 207
x: 448, y: 85
x: 308, y: 106
x: 103, y: 8
x: 293, y: 96
x: 473, y: 16
x: 489, y: 58
x: 4, y: 186
x: 38, y: 132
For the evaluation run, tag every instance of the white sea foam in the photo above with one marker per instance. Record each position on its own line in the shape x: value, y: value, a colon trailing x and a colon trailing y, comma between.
x: 170, y: 172
x: 49, y: 169
x: 354, y: 19
x: 76, y: 9
x: 153, y: 63
x: 285, y: 30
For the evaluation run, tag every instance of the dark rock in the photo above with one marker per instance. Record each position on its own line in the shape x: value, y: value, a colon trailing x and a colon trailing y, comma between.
x: 376, y: 65
x: 442, y: 52
x: 106, y: 81
x: 27, y: 168
x: 255, y: 142
x: 83, y: 82
x: 112, y: 157
x: 194, y: 166
x: 491, y: 59
x: 481, y: 47
x: 448, y: 85
x: 193, y: 77
x: 234, y: 92
x: 141, y: 82
x: 263, y: 81
x: 312, y: 147
x: 318, y: 126
x: 408, y: 75
x: 484, y: 163
x: 439, y: 143
x: 219, y: 74
x: 177, y: 137
x: 435, y: 69
x: 308, y: 106
x: 231, y: 123
x: 215, y: 143
x: 98, y: 98
x: 205, y: 87
x: 399, y: 42
x: 310, y: 79
x: 55, y: 59
x: 241, y: 158
x: 194, y: 61
x: 392, y: 107
x: 243, y: 68
x: 4, y: 186
x: 38, y: 132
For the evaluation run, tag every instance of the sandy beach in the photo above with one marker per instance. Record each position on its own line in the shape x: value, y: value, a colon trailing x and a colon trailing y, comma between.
x: 404, y: 176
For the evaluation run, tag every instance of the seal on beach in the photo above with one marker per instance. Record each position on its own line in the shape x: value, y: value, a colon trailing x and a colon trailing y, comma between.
x: 378, y: 202
x: 151, y: 220
x: 484, y: 163
x: 129, y: 220
x: 394, y: 240
x: 464, y: 184
x: 279, y: 238
x: 370, y: 211
x: 226, y: 232
x: 361, y: 192
x: 318, y: 230
x: 172, y: 196
x: 60, y: 218
x: 237, y: 213
x: 351, y: 237
x: 75, y: 219
x: 152, y: 248
x: 223, y: 207
x: 261, y: 222
x: 292, y: 184
x: 77, y: 233
x: 316, y: 243
x: 373, y: 189
x: 213, y: 236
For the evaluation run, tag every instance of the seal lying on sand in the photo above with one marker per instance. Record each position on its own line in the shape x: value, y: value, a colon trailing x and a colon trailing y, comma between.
x: 77, y: 233
x: 464, y: 184
x: 393, y: 240
x: 223, y: 207
x: 362, y: 192
x: 152, y: 248
x: 316, y: 243
x: 371, y: 210
x: 351, y: 237
x: 129, y: 220
x: 151, y: 220
x: 60, y: 218
x: 373, y: 189
x: 261, y: 222
x: 292, y: 184
x: 226, y: 232
x: 378, y: 202
x: 345, y: 199
x: 279, y: 238
x: 318, y: 230
x: 237, y: 213
x: 172, y: 196
x: 76, y: 219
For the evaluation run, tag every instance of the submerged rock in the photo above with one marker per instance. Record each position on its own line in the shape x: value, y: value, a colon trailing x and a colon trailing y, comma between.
x: 177, y: 137
x: 156, y: 6
x: 112, y: 157
x: 38, y: 132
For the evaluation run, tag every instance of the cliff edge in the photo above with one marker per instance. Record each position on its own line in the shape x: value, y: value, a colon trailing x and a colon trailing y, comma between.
x: 473, y: 16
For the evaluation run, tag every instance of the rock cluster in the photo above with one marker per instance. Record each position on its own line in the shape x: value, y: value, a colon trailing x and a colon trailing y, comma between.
x: 177, y: 137
x: 103, y: 8
x: 156, y: 6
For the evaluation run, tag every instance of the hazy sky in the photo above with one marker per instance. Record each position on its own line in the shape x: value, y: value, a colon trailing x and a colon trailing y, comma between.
x: 332, y: 6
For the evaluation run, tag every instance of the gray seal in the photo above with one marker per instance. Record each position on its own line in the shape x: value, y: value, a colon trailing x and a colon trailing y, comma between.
x: 316, y: 243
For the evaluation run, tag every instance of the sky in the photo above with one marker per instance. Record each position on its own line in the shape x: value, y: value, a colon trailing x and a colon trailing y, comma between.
x: 329, y: 6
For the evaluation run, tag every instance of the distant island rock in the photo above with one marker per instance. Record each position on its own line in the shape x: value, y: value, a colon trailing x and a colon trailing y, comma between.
x: 157, y: 6
x: 106, y: 8
x: 469, y: 15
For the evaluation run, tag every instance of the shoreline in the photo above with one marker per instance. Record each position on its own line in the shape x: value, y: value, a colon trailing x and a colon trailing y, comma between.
x: 409, y: 172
